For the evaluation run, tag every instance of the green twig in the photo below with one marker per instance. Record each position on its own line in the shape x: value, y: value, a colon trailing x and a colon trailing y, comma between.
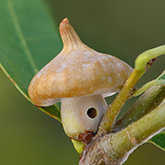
x: 114, y: 109
x: 159, y: 81
x: 114, y: 148
x: 146, y: 103
x: 147, y: 86
x: 139, y: 132
x: 142, y: 63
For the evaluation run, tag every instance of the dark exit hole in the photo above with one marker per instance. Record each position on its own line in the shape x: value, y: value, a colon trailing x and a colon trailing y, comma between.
x: 92, y: 112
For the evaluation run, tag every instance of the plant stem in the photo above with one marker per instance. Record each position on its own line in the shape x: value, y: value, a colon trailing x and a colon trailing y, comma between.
x: 147, y: 86
x: 139, y: 132
x: 142, y: 63
x: 147, y: 102
x: 114, y: 109
x: 108, y: 148
x: 114, y: 148
x: 142, y: 60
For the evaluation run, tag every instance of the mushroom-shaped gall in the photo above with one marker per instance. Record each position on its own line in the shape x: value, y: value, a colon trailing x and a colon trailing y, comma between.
x: 80, y: 78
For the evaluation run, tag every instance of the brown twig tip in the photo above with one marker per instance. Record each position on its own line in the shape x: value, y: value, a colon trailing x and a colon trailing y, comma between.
x: 65, y: 20
x: 64, y: 25
x: 69, y: 37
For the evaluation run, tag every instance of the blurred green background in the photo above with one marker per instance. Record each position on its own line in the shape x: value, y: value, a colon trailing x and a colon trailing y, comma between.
x: 121, y: 28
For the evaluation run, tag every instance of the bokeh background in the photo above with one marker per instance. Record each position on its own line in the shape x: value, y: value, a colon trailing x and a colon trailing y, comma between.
x: 121, y: 28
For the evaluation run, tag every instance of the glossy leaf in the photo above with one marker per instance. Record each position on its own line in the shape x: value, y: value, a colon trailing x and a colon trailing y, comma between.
x: 159, y: 140
x: 28, y: 41
x: 162, y: 76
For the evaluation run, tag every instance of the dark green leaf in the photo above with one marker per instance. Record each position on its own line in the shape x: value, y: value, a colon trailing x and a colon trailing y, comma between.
x: 28, y: 40
x: 162, y: 77
x: 159, y: 140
